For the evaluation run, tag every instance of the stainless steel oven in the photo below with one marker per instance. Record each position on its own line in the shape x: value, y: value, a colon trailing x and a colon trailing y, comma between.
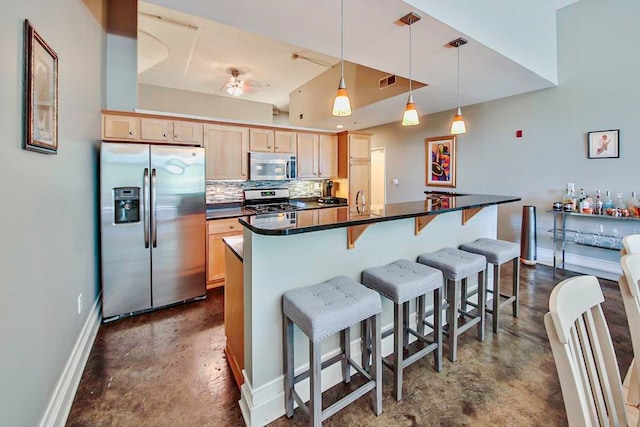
x: 271, y: 166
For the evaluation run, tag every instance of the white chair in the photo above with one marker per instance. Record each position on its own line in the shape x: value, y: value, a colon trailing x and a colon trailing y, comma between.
x: 630, y: 244
x: 630, y: 292
x: 584, y: 355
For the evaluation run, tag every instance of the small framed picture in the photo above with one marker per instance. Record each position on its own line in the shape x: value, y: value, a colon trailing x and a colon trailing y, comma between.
x: 40, y: 93
x: 604, y: 144
x: 441, y: 161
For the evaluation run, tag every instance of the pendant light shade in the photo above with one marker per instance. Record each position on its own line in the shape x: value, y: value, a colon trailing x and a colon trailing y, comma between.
x: 458, y: 125
x: 410, y: 116
x: 341, y: 103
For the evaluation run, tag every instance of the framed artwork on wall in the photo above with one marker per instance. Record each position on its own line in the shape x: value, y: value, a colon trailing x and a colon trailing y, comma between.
x: 441, y: 161
x: 604, y: 144
x: 40, y: 93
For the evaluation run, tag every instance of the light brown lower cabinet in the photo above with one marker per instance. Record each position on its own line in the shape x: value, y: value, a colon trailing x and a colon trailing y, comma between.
x: 234, y: 314
x: 217, y: 229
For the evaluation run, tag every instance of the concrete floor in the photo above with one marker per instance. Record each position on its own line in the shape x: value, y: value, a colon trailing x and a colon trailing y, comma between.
x: 168, y: 368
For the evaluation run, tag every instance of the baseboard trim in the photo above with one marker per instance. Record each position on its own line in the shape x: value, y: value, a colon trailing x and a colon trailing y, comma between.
x: 62, y: 397
x: 582, y: 264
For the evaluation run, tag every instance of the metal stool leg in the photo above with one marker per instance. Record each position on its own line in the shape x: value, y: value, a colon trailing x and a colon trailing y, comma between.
x: 398, y: 340
x: 482, y: 300
x: 345, y: 344
x: 437, y: 325
x: 288, y: 365
x: 405, y: 322
x: 516, y: 285
x: 376, y: 368
x: 496, y: 297
x: 365, y: 345
x: 315, y: 400
x: 421, y: 314
x: 452, y: 318
x: 463, y: 294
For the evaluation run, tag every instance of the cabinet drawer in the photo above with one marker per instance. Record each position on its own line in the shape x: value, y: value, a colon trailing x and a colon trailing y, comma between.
x: 223, y: 225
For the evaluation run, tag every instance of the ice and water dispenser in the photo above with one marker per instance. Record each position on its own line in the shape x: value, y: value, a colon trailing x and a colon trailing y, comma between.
x: 126, y: 205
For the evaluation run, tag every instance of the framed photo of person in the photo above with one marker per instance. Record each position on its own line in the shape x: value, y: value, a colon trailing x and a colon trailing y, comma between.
x: 40, y: 93
x: 604, y: 144
x: 440, y: 155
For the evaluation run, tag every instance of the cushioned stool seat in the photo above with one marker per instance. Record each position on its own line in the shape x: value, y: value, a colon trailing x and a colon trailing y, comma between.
x: 498, y: 252
x: 457, y: 266
x: 319, y: 311
x: 402, y: 281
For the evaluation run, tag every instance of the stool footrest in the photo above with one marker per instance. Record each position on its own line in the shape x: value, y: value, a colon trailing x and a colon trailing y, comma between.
x: 467, y: 314
x: 468, y: 325
x: 419, y: 354
x: 335, y: 359
x: 347, y: 400
x: 300, y: 403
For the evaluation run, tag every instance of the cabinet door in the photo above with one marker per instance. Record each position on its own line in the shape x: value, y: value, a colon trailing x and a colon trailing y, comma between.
x: 217, y: 229
x: 121, y: 127
x: 327, y: 156
x: 360, y: 147
x: 306, y: 218
x: 227, y: 149
x: 359, y: 180
x: 285, y: 142
x: 187, y: 133
x: 307, y: 155
x: 156, y: 130
x: 261, y: 140
x: 327, y: 215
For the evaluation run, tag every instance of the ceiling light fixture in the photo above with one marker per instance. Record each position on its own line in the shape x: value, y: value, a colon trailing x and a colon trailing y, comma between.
x: 410, y: 115
x: 458, y: 125
x: 341, y: 103
x: 235, y: 87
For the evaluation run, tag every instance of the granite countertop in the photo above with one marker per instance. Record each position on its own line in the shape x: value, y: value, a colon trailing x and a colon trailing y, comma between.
x: 435, y: 203
x: 236, y: 210
x: 236, y: 244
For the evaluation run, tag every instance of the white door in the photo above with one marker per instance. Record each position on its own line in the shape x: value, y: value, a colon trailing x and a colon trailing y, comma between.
x: 378, y: 177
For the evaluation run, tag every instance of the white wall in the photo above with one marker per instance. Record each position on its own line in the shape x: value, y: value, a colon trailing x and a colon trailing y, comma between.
x: 598, y: 90
x: 48, y: 234
x: 158, y: 98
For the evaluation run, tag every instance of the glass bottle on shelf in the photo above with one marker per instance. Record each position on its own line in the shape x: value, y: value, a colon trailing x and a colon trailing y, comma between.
x: 632, y: 204
x: 583, y: 204
x: 620, y: 204
x: 607, y: 203
x: 597, y: 205
x: 567, y: 200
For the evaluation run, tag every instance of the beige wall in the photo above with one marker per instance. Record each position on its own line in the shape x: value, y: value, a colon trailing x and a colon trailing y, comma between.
x: 158, y: 98
x: 48, y: 234
x: 597, y: 91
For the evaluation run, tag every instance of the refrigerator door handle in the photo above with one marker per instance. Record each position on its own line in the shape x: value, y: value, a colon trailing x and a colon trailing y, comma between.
x: 154, y: 201
x: 145, y: 216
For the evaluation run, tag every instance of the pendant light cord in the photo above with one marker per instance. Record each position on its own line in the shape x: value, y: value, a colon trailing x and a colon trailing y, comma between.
x: 342, y: 39
x: 410, y: 24
x: 458, y: 49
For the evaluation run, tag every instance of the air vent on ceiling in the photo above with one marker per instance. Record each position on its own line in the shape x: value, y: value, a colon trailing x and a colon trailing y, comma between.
x: 386, y: 82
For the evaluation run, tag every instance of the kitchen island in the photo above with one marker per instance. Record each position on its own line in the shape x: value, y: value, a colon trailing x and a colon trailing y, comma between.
x: 308, y: 247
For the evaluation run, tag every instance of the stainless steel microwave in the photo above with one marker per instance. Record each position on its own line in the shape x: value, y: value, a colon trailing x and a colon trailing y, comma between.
x: 271, y: 166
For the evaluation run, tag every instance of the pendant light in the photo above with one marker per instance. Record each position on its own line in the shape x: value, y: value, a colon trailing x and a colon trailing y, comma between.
x: 410, y: 115
x: 458, y: 126
x: 341, y: 103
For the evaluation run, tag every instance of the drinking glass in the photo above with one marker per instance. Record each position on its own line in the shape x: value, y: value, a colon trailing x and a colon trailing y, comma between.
x: 579, y: 237
x: 597, y: 235
x: 615, y: 238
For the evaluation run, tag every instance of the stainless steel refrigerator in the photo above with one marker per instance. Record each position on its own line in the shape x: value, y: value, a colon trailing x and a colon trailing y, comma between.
x: 153, y: 219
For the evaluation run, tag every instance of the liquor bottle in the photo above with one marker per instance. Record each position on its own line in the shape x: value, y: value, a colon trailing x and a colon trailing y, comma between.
x: 567, y: 200
x: 584, y: 204
x: 620, y: 204
x: 597, y: 205
x: 632, y: 204
x: 607, y: 202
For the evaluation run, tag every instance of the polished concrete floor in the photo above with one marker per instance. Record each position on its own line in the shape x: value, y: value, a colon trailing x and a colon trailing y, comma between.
x: 168, y: 368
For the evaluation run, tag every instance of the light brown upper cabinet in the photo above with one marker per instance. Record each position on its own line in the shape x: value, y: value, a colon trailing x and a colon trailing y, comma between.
x: 286, y: 142
x: 354, y: 166
x: 317, y: 155
x: 120, y: 127
x: 261, y: 140
x: 327, y: 156
x: 187, y: 132
x: 307, y: 148
x: 156, y: 130
x: 227, y: 152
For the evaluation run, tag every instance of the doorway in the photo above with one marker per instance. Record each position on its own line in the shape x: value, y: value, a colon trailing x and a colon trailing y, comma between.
x: 378, y: 177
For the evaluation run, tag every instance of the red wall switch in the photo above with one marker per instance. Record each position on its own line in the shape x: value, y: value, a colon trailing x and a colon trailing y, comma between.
x: 519, y: 133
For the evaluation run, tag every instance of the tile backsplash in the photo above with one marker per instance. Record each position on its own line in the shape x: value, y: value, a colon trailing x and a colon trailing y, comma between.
x: 231, y: 191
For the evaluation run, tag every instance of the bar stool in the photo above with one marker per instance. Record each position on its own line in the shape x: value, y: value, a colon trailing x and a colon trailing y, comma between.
x: 457, y: 266
x: 403, y: 281
x: 319, y: 311
x: 498, y: 252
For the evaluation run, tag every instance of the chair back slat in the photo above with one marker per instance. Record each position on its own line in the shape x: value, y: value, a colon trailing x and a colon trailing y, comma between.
x: 584, y: 354
x: 631, y: 244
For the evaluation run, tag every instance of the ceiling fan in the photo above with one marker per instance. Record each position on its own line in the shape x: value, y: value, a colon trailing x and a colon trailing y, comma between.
x: 235, y: 86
